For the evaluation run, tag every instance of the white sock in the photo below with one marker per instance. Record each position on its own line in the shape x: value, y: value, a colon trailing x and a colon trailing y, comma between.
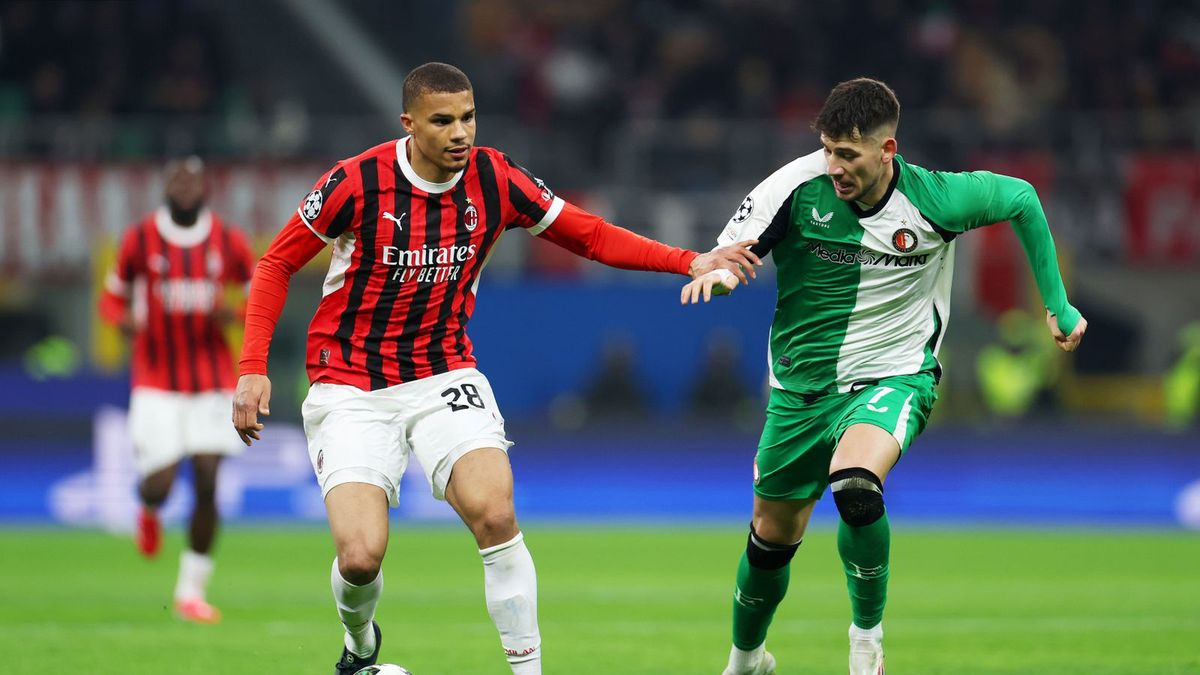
x: 510, y: 586
x: 194, y: 571
x: 356, y: 607
x: 875, y: 633
x: 746, y: 661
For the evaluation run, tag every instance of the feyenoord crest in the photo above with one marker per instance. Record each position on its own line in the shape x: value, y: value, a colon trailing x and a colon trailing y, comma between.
x: 471, y: 216
x: 744, y: 209
x: 904, y: 240
x: 312, y: 205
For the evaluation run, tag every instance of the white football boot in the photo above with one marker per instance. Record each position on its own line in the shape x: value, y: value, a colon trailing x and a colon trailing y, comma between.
x: 866, y: 650
x: 764, y: 665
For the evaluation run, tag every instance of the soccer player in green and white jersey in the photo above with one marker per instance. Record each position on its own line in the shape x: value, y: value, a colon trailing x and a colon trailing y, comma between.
x: 864, y: 245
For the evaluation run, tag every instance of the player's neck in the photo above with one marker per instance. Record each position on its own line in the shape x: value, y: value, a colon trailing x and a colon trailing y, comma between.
x: 870, y: 199
x: 184, y: 217
x: 425, y: 168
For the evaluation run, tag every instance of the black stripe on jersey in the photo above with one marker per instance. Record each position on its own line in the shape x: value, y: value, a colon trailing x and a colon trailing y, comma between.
x: 188, y: 320
x: 382, y: 316
x: 150, y: 337
x: 462, y: 237
x: 419, y: 303
x: 946, y: 235
x: 526, y: 207
x: 379, y: 315
x: 489, y: 185
x: 168, y: 329
x: 212, y: 328
x: 931, y: 345
x: 341, y: 220
x: 777, y: 229
x: 366, y: 259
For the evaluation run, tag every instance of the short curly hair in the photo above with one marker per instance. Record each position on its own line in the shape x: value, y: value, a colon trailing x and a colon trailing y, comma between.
x: 858, y: 107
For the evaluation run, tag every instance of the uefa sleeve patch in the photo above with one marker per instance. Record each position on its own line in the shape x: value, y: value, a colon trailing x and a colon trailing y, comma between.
x: 311, y: 208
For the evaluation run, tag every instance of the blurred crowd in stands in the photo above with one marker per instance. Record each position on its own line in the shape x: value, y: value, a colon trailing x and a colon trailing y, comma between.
x: 592, y: 66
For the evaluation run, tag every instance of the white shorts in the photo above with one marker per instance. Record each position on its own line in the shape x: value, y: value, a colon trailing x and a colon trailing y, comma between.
x: 167, y: 426
x: 357, y: 436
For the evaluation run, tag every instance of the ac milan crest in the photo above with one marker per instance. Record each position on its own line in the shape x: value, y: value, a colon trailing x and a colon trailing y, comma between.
x: 471, y: 216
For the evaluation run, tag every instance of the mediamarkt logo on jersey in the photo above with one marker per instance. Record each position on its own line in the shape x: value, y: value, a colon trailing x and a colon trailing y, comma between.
x: 865, y: 257
x: 427, y: 265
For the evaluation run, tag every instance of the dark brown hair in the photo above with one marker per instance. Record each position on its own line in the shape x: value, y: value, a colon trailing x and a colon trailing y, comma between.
x: 860, y: 106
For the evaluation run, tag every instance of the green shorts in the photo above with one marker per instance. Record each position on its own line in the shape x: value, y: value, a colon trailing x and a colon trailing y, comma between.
x: 801, y: 432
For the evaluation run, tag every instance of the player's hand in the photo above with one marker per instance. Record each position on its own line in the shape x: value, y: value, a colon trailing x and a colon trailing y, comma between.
x: 1067, y: 343
x: 736, y: 258
x: 252, y: 398
x: 128, y: 326
x: 713, y: 283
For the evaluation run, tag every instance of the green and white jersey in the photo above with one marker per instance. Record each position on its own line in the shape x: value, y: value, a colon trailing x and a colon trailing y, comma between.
x: 864, y: 294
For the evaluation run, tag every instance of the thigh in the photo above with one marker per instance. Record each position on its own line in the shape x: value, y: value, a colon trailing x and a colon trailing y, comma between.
x: 358, y: 518
x: 792, y: 462
x: 481, y: 484
x: 156, y: 418
x: 354, y: 437
x: 204, y: 472
x: 782, y: 522
x: 898, y: 406
x: 206, y: 427
x: 458, y: 414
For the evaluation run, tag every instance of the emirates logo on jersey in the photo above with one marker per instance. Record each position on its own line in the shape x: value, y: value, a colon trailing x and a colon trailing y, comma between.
x: 471, y: 216
x: 904, y: 240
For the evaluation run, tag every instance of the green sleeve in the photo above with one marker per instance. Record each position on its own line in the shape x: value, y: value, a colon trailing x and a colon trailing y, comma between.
x: 964, y: 201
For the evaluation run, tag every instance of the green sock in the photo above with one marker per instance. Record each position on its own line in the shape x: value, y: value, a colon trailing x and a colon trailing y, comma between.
x: 864, y: 552
x: 758, y: 593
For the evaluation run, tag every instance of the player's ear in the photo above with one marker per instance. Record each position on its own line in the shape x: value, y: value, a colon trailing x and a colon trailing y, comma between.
x: 889, y: 149
x: 406, y: 121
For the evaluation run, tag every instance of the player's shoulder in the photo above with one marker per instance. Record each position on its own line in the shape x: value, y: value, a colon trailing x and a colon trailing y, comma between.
x: 385, y: 152
x: 495, y: 156
x: 796, y: 172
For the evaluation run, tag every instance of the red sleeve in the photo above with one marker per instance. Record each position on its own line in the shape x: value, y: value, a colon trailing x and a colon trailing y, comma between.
x: 329, y: 209
x: 114, y: 298
x: 292, y: 248
x: 592, y: 237
x: 530, y: 203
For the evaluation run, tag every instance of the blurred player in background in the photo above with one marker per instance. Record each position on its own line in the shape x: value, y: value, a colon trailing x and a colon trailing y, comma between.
x: 412, y: 223
x: 165, y: 292
x: 864, y: 246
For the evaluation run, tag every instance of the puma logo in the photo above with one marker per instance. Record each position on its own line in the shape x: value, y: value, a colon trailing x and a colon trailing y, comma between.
x: 398, y: 221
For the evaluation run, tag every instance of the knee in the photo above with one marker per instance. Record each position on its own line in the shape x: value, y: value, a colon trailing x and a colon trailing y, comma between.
x: 359, y: 564
x: 858, y: 494
x: 495, y: 525
x: 766, y: 555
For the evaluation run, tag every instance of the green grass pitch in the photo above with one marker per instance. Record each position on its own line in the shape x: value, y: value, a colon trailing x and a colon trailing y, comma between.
x: 613, y: 601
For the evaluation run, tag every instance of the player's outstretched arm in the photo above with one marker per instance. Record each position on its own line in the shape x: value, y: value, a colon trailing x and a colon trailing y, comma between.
x: 252, y: 398
x: 717, y: 282
x: 592, y: 237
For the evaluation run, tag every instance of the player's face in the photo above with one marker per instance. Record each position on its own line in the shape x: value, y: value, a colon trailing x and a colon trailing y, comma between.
x: 857, y: 166
x: 442, y: 126
x: 186, y: 187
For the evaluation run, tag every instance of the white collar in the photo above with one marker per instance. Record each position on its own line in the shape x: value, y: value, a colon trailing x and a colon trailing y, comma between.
x: 179, y: 235
x: 411, y: 174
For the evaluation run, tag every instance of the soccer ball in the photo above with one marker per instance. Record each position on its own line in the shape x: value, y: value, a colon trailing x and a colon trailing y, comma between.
x: 384, y: 669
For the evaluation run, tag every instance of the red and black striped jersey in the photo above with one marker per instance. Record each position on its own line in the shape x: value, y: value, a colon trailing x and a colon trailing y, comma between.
x: 172, y: 279
x: 407, y: 258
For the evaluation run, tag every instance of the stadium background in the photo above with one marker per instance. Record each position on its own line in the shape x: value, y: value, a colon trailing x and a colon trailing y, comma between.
x: 660, y: 115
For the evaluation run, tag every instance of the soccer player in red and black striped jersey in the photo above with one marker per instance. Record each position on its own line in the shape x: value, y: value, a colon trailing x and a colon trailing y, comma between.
x: 412, y: 222
x: 165, y: 291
